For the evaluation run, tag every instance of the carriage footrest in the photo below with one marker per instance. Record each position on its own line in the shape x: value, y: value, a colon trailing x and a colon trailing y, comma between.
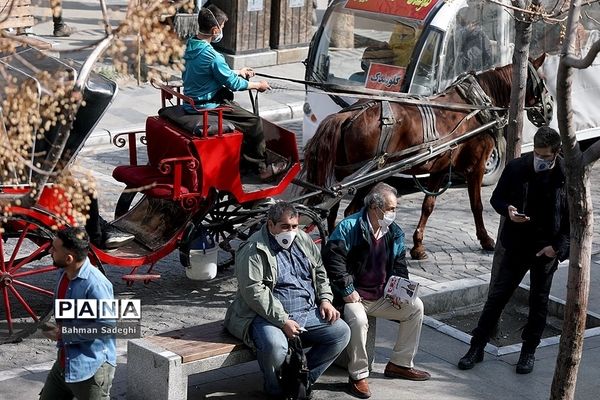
x: 140, y: 277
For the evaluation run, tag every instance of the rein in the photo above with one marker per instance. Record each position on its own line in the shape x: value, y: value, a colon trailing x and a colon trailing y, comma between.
x: 400, y: 98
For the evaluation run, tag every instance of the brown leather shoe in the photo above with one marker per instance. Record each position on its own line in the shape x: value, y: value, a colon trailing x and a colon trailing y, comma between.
x: 395, y: 371
x: 271, y: 171
x: 359, y: 388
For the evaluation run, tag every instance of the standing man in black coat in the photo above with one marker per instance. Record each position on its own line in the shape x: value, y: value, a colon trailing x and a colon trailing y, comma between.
x: 531, y: 194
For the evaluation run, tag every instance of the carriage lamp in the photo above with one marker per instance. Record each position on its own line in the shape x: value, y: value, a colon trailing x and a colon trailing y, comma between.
x: 308, y: 111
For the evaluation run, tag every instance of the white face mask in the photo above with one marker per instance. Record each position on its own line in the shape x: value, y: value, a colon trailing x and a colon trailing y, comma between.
x: 539, y: 164
x: 388, y: 218
x: 218, y: 38
x: 285, y: 238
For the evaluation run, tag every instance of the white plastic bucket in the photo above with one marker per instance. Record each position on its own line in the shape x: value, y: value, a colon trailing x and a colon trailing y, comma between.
x: 203, y: 264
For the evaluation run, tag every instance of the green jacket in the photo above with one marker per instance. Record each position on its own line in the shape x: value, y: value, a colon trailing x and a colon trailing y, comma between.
x: 256, y: 273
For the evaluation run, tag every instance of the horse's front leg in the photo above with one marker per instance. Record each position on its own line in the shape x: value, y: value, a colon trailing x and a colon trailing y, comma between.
x: 474, y: 182
x: 418, y: 250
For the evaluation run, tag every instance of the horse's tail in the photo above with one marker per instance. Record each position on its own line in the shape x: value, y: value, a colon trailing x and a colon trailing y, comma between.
x: 321, y: 150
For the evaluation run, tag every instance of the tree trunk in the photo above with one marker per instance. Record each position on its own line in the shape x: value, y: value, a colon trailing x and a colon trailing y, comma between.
x: 581, y: 223
x: 515, y: 112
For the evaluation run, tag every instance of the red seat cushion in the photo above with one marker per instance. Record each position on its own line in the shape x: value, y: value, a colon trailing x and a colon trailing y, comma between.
x: 147, y: 176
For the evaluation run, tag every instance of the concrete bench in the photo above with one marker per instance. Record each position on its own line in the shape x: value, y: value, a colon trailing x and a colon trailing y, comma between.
x: 158, y: 366
x: 20, y: 17
x: 20, y: 20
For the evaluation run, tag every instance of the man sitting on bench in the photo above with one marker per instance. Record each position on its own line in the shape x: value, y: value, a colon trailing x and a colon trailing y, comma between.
x: 283, y: 292
x: 210, y: 82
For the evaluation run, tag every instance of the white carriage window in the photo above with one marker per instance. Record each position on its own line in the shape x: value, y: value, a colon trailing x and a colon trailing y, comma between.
x: 480, y: 38
x: 350, y: 44
x: 427, y: 69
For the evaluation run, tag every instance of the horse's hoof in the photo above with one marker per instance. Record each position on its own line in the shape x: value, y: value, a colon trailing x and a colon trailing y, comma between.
x: 418, y: 253
x: 488, y: 244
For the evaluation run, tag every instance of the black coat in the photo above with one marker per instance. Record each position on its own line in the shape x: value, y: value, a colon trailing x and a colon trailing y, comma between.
x: 514, y: 188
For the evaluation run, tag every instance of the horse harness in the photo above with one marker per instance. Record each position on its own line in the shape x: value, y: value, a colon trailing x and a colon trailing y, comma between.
x: 468, y: 88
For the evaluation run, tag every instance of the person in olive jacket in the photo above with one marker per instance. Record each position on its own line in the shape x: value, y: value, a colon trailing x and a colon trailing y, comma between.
x: 283, y: 292
x: 531, y: 194
x: 364, y: 250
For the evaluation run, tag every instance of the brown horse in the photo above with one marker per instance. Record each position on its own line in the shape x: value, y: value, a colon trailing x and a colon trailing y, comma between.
x: 347, y: 140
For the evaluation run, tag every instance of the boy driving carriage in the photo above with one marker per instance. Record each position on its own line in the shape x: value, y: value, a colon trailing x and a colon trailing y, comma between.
x: 211, y: 82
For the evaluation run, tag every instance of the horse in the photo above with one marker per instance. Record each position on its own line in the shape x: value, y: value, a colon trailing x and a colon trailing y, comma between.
x: 347, y: 140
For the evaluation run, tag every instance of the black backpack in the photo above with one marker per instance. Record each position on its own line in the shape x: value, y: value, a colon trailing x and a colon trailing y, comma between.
x: 294, y: 371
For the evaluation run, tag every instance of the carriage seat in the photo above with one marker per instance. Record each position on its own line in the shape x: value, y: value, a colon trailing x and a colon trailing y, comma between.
x: 165, y: 145
x: 194, y: 123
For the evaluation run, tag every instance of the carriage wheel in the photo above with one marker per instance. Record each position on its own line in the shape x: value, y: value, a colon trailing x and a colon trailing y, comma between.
x: 495, y: 164
x: 230, y: 224
x: 27, y: 277
x: 311, y: 223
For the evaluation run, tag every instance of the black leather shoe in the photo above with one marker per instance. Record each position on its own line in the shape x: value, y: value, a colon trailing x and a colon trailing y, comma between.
x: 526, y: 362
x: 473, y: 356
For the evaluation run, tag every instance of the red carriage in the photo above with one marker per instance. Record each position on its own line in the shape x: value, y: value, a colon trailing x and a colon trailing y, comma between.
x: 190, y: 187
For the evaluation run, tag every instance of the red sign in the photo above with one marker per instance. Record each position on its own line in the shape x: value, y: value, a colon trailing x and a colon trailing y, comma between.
x: 415, y: 9
x: 385, y: 77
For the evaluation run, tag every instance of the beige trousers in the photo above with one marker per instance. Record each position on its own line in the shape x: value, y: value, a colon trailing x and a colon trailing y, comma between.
x: 410, y: 318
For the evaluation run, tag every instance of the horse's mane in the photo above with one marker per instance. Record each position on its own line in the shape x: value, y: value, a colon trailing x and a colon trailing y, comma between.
x: 496, y: 83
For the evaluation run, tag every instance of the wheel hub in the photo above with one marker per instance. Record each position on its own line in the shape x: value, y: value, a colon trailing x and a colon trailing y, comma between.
x: 5, y: 279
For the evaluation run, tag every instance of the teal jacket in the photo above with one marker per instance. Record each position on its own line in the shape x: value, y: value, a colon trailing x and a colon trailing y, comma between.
x: 256, y: 272
x: 346, y: 253
x: 206, y: 72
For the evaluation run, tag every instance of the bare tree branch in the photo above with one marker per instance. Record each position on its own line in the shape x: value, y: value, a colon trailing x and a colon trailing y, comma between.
x: 592, y: 154
x: 585, y: 62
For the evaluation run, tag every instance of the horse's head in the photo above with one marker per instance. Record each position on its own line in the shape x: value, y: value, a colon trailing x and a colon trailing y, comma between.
x: 538, y: 102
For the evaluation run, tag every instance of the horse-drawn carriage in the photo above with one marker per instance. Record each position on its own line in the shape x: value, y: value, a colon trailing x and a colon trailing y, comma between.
x: 189, y: 190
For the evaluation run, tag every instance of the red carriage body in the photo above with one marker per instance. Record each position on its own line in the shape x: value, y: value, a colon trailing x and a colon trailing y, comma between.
x: 190, y: 184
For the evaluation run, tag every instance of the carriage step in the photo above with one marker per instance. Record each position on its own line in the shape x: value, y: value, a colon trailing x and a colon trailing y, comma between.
x: 146, y: 278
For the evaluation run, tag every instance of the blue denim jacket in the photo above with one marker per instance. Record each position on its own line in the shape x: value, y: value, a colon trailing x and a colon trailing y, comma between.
x: 83, y: 355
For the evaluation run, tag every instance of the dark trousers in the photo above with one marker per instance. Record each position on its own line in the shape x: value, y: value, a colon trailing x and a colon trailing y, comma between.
x: 512, y: 269
x: 93, y: 225
x: 95, y: 388
x: 253, y: 146
x: 57, y: 20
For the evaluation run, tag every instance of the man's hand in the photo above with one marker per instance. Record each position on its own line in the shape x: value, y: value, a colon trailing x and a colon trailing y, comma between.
x: 246, y: 72
x: 515, y: 216
x: 353, y: 297
x: 398, y: 302
x: 291, y: 328
x: 328, y: 312
x: 261, y: 86
x: 547, y: 251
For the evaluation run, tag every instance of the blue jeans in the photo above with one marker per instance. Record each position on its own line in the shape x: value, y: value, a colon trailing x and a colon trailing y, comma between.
x: 326, y: 342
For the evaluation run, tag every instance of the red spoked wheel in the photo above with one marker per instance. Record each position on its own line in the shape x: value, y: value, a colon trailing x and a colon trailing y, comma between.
x: 27, y: 277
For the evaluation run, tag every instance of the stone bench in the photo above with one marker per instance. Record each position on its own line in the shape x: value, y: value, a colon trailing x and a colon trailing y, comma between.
x: 158, y: 366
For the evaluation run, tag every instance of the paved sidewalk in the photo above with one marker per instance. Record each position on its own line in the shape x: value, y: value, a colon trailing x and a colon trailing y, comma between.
x: 455, y: 261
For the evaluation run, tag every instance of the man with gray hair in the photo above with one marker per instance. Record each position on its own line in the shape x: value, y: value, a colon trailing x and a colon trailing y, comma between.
x: 283, y: 292
x: 363, y: 252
